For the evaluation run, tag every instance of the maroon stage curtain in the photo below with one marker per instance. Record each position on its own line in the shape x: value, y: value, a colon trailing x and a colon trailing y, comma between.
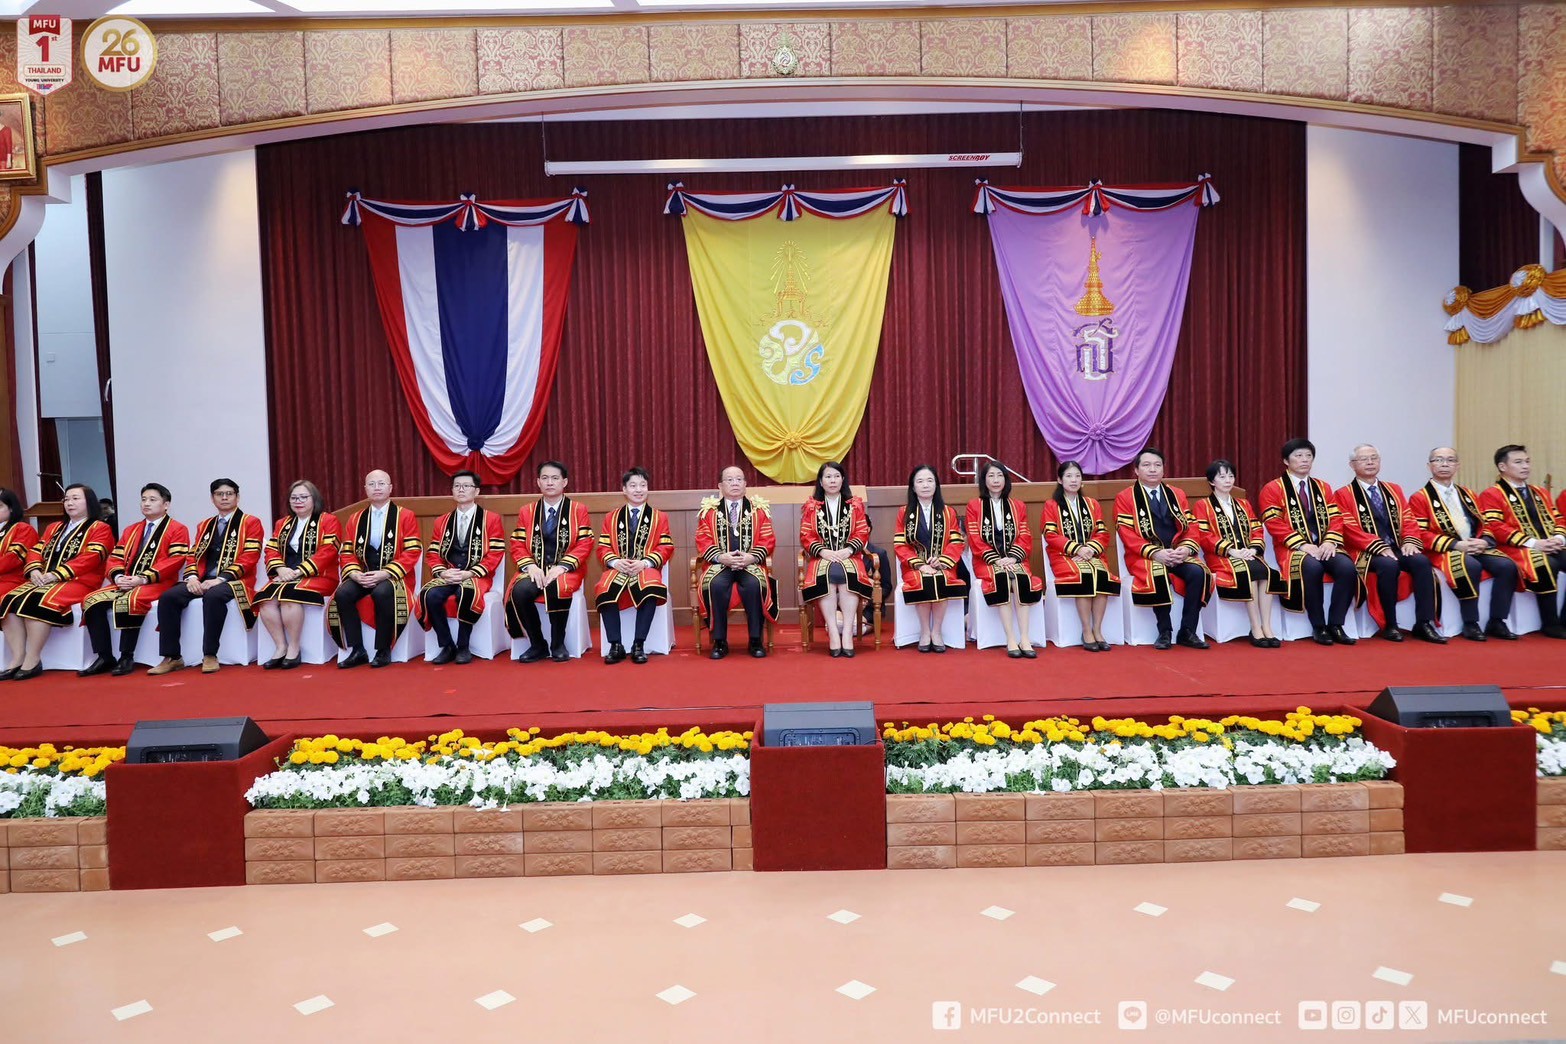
x: 1497, y: 228
x: 634, y: 386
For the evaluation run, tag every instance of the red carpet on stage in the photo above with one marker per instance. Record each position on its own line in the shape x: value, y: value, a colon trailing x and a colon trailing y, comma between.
x: 683, y: 689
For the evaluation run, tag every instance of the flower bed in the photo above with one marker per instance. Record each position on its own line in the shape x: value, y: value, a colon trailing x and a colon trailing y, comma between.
x: 1059, y: 755
x: 1551, y: 739
x: 454, y: 769
x: 49, y: 782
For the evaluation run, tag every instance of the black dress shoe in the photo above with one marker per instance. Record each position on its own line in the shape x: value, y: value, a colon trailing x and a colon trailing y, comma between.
x: 1275, y: 643
x: 464, y: 656
x: 24, y: 674
x: 1014, y: 654
x: 1390, y: 633
x: 1474, y: 633
x: 532, y: 654
x: 559, y: 655
x: 758, y: 650
x: 926, y: 647
x: 1029, y: 654
x: 836, y: 653
x: 1102, y: 646
x: 1497, y: 629
x: 1165, y: 640
x: 1340, y: 636
x: 292, y: 663
x: 98, y: 666
x: 937, y: 647
x: 7, y: 675
x: 357, y: 658
x: 616, y: 653
x: 126, y: 665
x: 720, y: 649
x: 1552, y: 631
x: 848, y: 654
x: 381, y: 660
x: 1426, y: 632
x: 638, y: 653
x: 445, y: 656
x: 273, y: 664
x: 1191, y: 640
x: 1322, y: 636
x: 1260, y: 643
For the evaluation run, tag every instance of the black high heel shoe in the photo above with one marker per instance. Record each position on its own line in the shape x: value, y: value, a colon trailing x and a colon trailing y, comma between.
x: 289, y: 663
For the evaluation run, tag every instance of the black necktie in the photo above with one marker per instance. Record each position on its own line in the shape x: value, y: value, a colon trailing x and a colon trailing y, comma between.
x: 550, y: 524
x: 215, y: 548
x: 1533, y: 512
x: 631, y: 526
x: 1309, y: 509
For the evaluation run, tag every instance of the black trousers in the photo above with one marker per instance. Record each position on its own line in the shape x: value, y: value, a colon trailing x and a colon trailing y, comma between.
x: 1345, y: 582
x: 1503, y: 573
x: 722, y: 591
x: 435, y: 599
x: 98, y: 631
x: 524, y: 598
x: 384, y: 596
x: 1549, y: 615
x: 214, y: 611
x: 1194, y: 577
x: 610, y: 619
x: 1418, y: 568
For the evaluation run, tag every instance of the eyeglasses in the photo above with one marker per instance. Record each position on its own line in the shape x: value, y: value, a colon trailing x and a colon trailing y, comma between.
x: 463, y: 485
x: 1372, y: 459
x: 1443, y: 460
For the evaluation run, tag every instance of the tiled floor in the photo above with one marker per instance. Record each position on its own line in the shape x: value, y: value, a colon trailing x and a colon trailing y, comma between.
x: 807, y: 956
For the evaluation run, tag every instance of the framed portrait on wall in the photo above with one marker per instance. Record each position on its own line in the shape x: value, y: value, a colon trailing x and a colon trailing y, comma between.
x: 18, y: 157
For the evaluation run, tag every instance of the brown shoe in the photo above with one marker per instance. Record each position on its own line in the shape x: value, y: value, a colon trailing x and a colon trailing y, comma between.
x: 168, y: 666
x: 209, y: 665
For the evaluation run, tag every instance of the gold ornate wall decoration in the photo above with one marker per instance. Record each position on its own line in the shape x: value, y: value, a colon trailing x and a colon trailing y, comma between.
x: 1531, y: 297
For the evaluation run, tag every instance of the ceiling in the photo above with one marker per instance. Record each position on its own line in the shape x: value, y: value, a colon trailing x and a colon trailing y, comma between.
x: 89, y: 9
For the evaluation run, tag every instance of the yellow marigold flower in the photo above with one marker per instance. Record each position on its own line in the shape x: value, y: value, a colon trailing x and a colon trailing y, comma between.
x: 1200, y: 737
x: 344, y: 746
x: 330, y: 757
x: 987, y: 717
x: 40, y: 763
x: 91, y: 770
x: 298, y: 757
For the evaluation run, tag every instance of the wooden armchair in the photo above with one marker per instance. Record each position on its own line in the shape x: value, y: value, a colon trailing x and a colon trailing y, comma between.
x: 698, y: 567
x: 807, y: 612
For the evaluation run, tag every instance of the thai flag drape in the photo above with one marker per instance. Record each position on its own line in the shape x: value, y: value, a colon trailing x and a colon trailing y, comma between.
x: 472, y: 297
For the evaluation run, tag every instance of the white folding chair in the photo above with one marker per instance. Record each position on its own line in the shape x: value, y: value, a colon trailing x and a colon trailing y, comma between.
x: 315, y: 639
x: 236, y: 646
x: 1140, y: 623
x: 1292, y: 626
x: 67, y: 648
x: 659, y: 640
x: 984, y: 622
x: 1224, y: 620
x: 1062, y: 625
x: 907, y: 622
x: 1451, y: 624
x: 489, y: 638
x: 578, y: 636
x: 1525, y: 613
x: 410, y: 643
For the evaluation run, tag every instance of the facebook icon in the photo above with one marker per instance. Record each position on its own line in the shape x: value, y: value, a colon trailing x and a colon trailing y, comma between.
x: 946, y: 1015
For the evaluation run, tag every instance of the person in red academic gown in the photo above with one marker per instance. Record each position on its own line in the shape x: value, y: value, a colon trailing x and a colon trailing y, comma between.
x: 1230, y: 533
x: 549, y: 547
x: 833, y: 531
x: 734, y: 537
x: 1162, y: 553
x: 1455, y: 538
x: 1383, y: 537
x: 465, y: 552
x: 1000, y: 544
x: 219, y: 568
x: 301, y: 569
x: 1301, y: 515
x: 634, y: 546
x: 62, y: 569
x: 1074, y: 543
x: 144, y: 564
x: 17, y: 540
x: 379, y: 558
x: 928, y: 543
x: 1529, y: 531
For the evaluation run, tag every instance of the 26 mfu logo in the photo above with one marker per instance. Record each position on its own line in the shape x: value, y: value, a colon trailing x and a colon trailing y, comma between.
x: 119, y: 53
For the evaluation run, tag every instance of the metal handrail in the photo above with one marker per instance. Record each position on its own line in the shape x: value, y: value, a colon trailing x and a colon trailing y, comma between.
x: 978, y: 459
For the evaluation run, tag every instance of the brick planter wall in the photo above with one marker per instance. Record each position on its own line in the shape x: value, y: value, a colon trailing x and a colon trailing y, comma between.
x: 929, y: 831
x: 1552, y: 814
x: 542, y: 840
x: 69, y: 854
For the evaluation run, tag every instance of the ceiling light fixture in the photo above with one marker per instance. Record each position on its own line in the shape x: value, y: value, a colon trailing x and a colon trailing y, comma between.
x: 783, y: 163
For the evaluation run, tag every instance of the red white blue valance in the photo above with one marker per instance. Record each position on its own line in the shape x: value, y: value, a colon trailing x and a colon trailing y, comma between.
x: 468, y: 213
x: 1094, y: 198
x: 788, y: 201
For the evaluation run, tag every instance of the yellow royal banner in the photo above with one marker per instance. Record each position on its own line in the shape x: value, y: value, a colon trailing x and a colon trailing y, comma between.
x: 791, y: 312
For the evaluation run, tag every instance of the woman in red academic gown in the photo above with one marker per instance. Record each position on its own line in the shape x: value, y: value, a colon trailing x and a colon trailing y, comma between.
x: 928, y: 543
x: 65, y: 567
x: 833, y: 532
x: 301, y: 570
x: 1000, y: 544
x: 1230, y: 533
x: 1074, y: 540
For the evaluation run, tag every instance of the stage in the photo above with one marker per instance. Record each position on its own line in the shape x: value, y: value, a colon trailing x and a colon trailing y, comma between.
x: 682, y: 689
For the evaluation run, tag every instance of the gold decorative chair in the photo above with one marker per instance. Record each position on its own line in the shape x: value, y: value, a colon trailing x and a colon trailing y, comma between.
x: 698, y: 567
x: 807, y: 613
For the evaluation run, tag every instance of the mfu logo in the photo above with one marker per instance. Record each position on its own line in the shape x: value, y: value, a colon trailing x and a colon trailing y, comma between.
x: 946, y: 1015
x: 43, y: 53
x: 119, y: 53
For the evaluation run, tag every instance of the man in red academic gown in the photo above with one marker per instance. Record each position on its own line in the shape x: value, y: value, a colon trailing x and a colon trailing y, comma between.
x: 1302, y: 515
x: 143, y: 565
x: 1383, y: 537
x: 1162, y: 554
x: 734, y: 537
x: 380, y: 552
x: 549, y: 547
x: 1529, y: 531
x: 1452, y: 528
x: 465, y: 552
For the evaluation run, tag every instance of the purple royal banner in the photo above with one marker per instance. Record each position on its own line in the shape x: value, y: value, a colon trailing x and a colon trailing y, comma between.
x: 1094, y: 298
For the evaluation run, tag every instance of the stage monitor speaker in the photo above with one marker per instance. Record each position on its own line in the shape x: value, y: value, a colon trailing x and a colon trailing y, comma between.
x: 193, y: 739
x: 1443, y: 706
x: 849, y: 724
